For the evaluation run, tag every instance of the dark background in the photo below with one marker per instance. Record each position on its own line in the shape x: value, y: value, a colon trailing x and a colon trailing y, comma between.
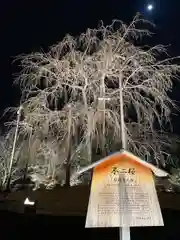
x: 14, y: 226
x: 34, y: 25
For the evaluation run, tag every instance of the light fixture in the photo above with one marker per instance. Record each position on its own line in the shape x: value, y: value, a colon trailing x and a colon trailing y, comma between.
x: 101, y: 98
x: 28, y: 202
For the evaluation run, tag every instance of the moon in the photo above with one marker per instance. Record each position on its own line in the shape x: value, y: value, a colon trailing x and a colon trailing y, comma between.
x: 150, y: 7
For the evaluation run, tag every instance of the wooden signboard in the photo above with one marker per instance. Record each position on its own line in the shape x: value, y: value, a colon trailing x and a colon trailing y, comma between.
x: 123, y: 194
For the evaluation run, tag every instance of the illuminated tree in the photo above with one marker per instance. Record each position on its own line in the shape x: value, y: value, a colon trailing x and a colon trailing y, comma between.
x: 76, y: 95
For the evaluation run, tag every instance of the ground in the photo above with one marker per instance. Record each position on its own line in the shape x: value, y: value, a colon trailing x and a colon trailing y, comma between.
x: 14, y: 226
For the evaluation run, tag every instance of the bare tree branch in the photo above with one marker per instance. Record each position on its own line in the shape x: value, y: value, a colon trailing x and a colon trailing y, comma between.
x: 85, y: 72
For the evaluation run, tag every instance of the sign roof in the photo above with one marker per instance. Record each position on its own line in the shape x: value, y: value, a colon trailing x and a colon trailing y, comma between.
x: 157, y: 171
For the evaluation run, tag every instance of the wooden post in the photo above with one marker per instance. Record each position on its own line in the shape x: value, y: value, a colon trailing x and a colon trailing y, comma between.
x: 124, y: 232
x: 69, y: 141
x: 14, y: 147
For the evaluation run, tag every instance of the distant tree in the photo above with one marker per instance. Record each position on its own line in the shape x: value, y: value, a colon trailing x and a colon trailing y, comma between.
x: 72, y: 98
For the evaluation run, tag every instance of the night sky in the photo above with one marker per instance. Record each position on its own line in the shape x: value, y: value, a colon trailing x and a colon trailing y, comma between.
x: 28, y: 26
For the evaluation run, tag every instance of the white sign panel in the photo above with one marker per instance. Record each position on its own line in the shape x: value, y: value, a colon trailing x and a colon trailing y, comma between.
x: 123, y: 194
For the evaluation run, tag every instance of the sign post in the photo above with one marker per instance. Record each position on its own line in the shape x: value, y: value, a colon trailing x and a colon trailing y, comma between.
x: 124, y: 233
x: 123, y: 195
